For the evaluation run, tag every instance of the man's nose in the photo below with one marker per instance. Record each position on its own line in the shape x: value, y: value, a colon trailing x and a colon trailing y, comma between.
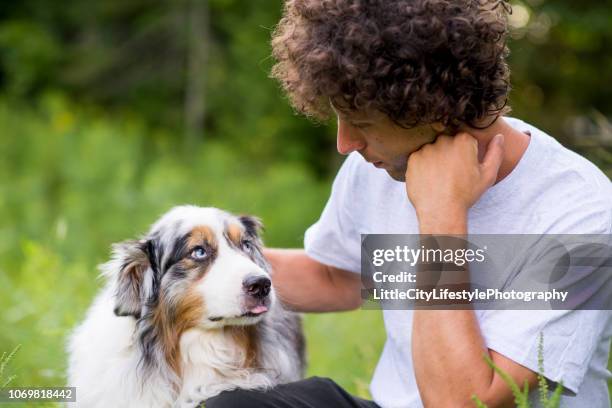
x: 348, y: 139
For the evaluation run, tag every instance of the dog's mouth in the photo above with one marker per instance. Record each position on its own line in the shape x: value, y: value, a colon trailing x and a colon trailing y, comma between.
x: 256, y: 311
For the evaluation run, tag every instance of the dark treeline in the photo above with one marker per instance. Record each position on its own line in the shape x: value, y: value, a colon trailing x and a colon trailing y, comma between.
x: 200, y: 67
x: 188, y: 65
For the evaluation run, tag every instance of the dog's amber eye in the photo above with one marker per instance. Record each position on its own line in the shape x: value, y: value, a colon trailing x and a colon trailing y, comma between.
x: 198, y: 253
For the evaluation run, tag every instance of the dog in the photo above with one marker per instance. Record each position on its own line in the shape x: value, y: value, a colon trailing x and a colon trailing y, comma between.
x: 187, y: 312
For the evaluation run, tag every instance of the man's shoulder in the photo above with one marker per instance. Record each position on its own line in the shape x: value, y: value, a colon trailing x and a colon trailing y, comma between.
x: 567, y: 185
x: 570, y: 170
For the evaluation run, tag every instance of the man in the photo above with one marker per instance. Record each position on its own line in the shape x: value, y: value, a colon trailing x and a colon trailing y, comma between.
x: 419, y: 88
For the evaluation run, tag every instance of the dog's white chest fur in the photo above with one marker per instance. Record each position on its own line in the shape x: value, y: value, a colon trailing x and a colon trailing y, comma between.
x: 104, y: 360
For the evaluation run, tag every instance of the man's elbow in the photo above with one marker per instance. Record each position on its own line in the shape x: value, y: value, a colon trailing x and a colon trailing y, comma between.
x: 441, y: 400
x: 353, y: 301
x: 467, y: 400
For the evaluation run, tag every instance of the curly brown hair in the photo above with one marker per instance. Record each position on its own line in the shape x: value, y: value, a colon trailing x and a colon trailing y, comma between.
x: 417, y: 61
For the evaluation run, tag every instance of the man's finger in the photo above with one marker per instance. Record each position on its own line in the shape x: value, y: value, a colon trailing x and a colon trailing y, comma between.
x: 493, y: 159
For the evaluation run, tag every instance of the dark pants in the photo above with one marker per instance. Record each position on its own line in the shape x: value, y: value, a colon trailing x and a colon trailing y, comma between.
x: 314, y: 392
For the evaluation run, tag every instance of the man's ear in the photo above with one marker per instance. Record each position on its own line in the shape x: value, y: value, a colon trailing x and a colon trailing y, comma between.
x: 438, y: 127
x: 129, y: 267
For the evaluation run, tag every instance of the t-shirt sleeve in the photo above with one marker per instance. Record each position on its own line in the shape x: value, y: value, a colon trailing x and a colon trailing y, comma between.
x: 570, y: 337
x: 334, y: 239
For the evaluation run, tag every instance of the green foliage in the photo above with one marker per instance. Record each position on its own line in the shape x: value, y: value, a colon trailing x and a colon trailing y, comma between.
x: 558, y: 68
x: 546, y: 400
x: 130, y: 56
x: 28, y: 53
x: 521, y: 397
x: 478, y: 402
x: 345, y: 347
x: 4, y: 360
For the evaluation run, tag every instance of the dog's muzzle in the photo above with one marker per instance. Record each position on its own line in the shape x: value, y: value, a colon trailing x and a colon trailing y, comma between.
x: 257, y: 291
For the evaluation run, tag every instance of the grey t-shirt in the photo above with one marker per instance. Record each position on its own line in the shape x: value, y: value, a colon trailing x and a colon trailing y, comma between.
x: 552, y: 190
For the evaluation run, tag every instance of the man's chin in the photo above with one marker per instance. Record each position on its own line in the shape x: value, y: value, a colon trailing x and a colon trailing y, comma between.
x: 397, y: 174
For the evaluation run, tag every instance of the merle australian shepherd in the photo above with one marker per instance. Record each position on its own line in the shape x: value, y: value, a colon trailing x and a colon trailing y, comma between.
x: 187, y: 312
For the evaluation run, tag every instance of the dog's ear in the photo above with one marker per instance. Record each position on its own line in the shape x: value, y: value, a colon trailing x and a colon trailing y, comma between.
x: 129, y: 268
x: 252, y: 225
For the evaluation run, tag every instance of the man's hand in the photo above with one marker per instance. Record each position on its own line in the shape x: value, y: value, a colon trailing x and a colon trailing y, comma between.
x: 445, y: 178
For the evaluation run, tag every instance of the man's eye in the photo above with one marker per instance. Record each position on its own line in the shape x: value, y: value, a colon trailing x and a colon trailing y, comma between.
x: 198, y: 253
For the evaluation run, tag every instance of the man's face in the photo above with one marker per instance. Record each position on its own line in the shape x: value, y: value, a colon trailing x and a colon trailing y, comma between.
x: 380, y: 141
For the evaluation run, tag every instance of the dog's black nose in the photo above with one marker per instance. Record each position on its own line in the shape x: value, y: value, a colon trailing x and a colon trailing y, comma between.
x: 257, y: 286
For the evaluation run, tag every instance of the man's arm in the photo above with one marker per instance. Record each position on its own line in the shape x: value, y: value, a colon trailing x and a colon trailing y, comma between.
x: 443, y: 181
x: 306, y: 285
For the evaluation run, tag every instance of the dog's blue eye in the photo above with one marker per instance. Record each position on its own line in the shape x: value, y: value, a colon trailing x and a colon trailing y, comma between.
x: 198, y: 253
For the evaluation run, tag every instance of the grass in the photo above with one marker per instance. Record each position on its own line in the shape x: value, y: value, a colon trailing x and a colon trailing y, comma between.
x: 345, y: 347
x: 5, y: 380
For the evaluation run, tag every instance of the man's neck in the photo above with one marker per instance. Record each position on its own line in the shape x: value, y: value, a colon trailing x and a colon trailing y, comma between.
x: 515, y: 144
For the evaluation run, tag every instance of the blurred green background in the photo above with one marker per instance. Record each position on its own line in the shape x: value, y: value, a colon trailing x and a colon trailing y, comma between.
x: 113, y: 111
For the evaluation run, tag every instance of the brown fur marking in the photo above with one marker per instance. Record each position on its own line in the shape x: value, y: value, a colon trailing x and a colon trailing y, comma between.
x: 202, y: 234
x: 234, y: 233
x: 173, y: 320
x: 247, y: 337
